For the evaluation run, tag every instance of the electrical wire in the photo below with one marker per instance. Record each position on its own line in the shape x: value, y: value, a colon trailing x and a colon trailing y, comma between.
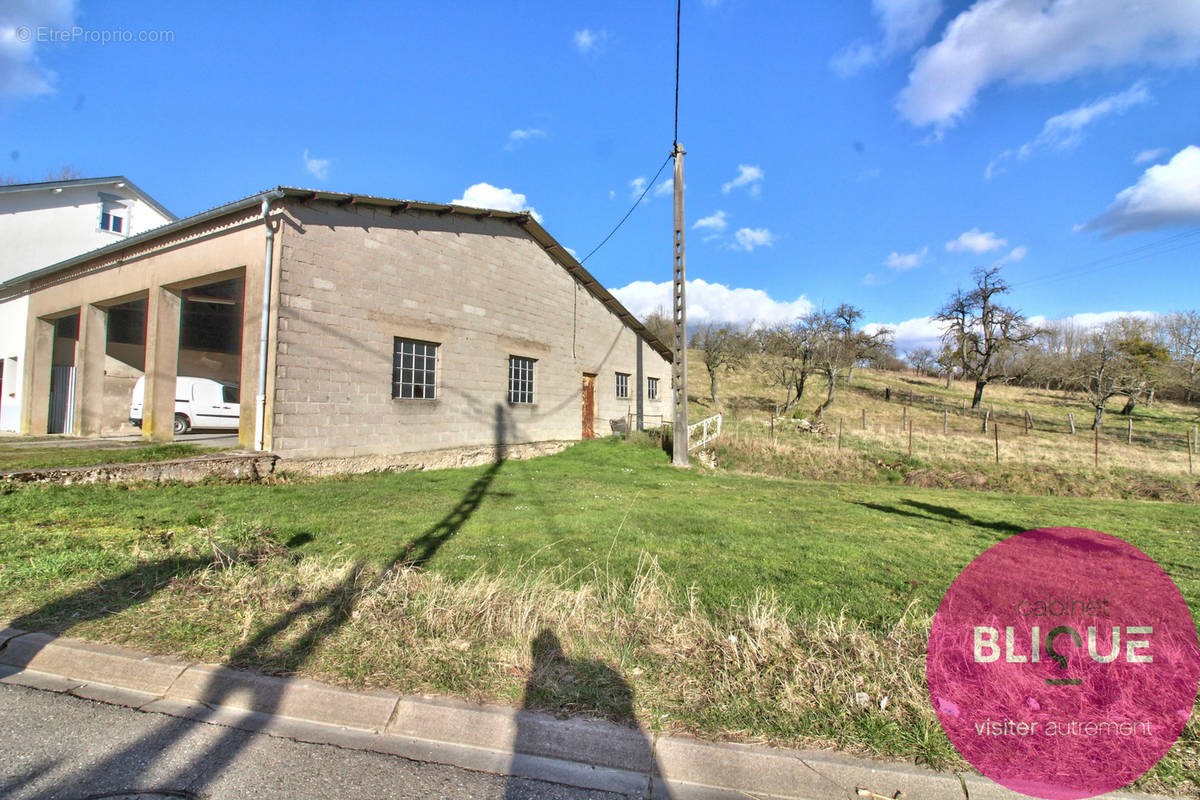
x: 1119, y: 259
x: 649, y: 186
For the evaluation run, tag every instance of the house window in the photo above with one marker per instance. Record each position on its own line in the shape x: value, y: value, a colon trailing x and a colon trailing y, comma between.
x: 622, y: 385
x: 520, y: 379
x: 414, y: 369
x: 114, y: 213
x: 111, y: 221
x: 652, y: 388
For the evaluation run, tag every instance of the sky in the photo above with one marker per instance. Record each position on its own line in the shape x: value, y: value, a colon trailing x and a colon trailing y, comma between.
x: 873, y: 152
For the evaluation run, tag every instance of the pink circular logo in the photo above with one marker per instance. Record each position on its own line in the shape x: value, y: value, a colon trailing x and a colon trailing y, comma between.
x: 1063, y: 663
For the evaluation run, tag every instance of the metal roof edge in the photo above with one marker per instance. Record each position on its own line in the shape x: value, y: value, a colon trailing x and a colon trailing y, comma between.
x: 84, y: 182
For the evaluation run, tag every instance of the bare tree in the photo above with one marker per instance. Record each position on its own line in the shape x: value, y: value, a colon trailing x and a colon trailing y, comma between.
x: 837, y: 345
x: 660, y: 325
x: 787, y: 358
x: 922, y: 359
x: 64, y: 173
x: 1182, y: 330
x: 979, y: 330
x: 723, y: 348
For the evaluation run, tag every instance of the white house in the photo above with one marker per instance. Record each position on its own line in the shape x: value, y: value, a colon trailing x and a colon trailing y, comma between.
x: 44, y: 223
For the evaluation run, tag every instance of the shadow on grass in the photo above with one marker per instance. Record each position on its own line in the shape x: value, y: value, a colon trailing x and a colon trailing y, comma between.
x: 928, y: 511
x: 589, y: 689
x: 320, y: 618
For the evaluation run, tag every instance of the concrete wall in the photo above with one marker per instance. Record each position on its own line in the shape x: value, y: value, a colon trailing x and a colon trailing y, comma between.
x: 12, y: 351
x: 352, y: 279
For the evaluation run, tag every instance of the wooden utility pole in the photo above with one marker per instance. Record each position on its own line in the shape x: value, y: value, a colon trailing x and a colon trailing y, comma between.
x: 679, y: 366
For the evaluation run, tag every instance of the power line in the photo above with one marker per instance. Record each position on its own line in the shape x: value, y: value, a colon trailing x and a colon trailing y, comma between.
x: 1118, y: 259
x: 649, y: 185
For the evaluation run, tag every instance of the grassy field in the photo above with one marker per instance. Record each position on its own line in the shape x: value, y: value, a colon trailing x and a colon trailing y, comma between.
x: 731, y: 606
x: 17, y: 454
x: 1046, y: 460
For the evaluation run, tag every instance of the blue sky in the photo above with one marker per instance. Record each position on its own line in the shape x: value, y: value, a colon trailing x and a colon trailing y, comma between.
x: 868, y: 151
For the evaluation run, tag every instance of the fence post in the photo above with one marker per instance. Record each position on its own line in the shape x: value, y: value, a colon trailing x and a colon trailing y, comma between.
x: 840, y: 433
x: 987, y: 415
x: 1189, y: 449
x: 1196, y: 438
x: 964, y: 407
x: 1096, y: 446
x: 1071, y: 421
x: 864, y: 419
x: 996, y: 434
x: 772, y: 427
x: 905, y: 423
x: 1129, y: 431
x: 1025, y: 419
x: 910, y: 441
x: 945, y: 422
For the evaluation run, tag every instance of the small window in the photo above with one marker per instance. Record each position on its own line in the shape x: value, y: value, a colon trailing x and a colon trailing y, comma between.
x: 520, y: 379
x: 652, y: 388
x: 230, y: 394
x: 414, y: 369
x: 622, y: 385
x: 111, y: 221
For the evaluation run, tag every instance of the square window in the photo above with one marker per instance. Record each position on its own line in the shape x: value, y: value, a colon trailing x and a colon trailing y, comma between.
x: 622, y: 385
x: 520, y: 379
x: 652, y: 388
x: 414, y: 369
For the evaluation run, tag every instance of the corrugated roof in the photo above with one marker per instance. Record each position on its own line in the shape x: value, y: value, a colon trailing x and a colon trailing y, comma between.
x: 522, y: 218
x: 78, y: 183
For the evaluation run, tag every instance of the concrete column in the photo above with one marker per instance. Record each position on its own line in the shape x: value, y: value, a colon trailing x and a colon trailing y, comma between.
x: 163, y: 308
x: 89, y: 370
x: 39, y: 357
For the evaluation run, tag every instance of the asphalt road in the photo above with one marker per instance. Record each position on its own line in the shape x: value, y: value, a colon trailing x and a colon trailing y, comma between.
x: 62, y: 747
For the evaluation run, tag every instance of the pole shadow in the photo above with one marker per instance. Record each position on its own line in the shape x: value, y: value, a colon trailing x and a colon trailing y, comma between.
x: 584, y: 688
x: 321, y: 618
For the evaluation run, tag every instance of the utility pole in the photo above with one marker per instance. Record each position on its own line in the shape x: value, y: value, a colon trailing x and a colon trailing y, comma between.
x: 679, y: 365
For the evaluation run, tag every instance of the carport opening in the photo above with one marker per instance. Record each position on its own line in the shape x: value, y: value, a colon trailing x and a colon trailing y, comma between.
x: 210, y: 357
x: 61, y: 418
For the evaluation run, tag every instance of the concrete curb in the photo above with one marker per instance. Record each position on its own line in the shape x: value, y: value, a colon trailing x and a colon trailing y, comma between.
x: 588, y: 754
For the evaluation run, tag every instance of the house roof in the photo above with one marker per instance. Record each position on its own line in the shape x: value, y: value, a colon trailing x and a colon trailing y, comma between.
x: 521, y: 218
x: 82, y: 183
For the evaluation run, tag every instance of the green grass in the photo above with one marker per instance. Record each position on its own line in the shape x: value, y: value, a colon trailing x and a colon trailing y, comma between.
x: 606, y: 503
x: 18, y: 456
x: 734, y: 606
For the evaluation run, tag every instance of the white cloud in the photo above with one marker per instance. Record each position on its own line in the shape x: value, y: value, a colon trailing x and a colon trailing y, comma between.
x: 905, y: 24
x: 589, y: 41
x: 903, y: 261
x: 317, y: 167
x: 749, y: 238
x: 717, y: 222
x: 1064, y: 131
x: 1017, y: 254
x: 665, y: 188
x: 520, y: 135
x: 1039, y: 42
x: 870, y: 279
x: 20, y: 73
x: 1166, y: 194
x: 912, y: 333
x: 484, y: 195
x: 712, y: 302
x: 749, y: 178
x: 1153, y: 154
x: 571, y: 250
x: 637, y: 186
x: 973, y: 241
x: 1093, y: 319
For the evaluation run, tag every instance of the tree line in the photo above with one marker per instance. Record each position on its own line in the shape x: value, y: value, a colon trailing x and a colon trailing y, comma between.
x: 984, y: 340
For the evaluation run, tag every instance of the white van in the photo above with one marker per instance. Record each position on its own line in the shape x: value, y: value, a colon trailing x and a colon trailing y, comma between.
x: 199, y: 403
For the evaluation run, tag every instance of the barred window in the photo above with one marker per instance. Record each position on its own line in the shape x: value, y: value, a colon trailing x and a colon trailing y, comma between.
x: 652, y: 388
x: 414, y: 369
x: 520, y: 379
x: 622, y: 385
